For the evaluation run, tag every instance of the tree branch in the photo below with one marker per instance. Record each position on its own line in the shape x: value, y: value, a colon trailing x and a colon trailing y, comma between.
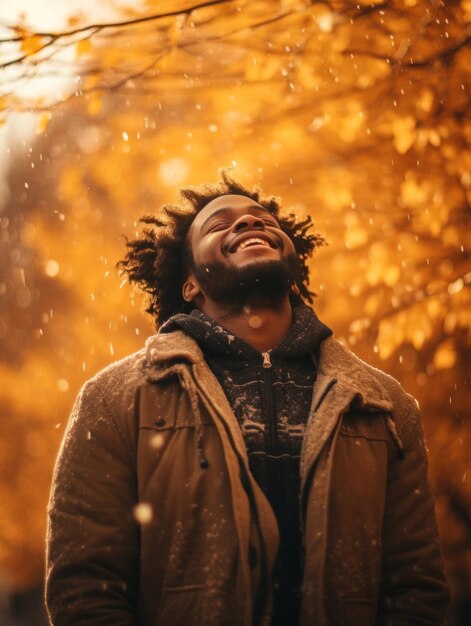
x: 106, y: 25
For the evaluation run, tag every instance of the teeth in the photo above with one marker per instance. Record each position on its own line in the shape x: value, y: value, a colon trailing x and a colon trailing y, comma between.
x: 247, y: 242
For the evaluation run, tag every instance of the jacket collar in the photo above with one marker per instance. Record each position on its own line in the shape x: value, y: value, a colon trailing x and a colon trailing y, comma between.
x: 164, y: 349
x: 336, y: 363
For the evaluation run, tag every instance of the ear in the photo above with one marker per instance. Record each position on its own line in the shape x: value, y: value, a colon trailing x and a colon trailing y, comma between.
x: 190, y: 289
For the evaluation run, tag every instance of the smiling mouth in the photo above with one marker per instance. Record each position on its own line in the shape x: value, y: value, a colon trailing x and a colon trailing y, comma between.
x: 253, y: 241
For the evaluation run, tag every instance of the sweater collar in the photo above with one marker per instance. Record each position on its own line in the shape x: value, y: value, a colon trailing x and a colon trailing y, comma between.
x: 303, y: 338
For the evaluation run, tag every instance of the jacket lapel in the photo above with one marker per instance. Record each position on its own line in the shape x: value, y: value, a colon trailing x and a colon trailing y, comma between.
x: 164, y: 351
x: 329, y: 401
x: 342, y: 380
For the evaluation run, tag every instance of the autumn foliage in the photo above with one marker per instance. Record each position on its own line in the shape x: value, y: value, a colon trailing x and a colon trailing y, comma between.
x: 355, y: 113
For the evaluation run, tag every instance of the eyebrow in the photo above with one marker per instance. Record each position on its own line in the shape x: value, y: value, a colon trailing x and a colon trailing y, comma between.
x: 229, y: 209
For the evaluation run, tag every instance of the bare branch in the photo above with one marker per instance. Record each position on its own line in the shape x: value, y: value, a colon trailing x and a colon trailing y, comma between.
x: 444, y: 55
x: 105, y: 25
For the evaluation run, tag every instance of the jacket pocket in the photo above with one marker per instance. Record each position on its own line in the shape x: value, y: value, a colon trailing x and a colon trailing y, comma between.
x: 180, y: 605
x: 364, y: 424
x: 357, y: 612
x: 166, y: 405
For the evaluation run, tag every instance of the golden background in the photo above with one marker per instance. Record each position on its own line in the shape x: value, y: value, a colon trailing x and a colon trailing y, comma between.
x: 355, y: 113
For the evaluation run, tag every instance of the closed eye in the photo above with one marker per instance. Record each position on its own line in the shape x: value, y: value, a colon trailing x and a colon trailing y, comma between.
x: 218, y: 226
x: 222, y: 224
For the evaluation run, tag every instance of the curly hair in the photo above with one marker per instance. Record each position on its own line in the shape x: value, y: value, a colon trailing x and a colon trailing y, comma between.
x: 158, y: 261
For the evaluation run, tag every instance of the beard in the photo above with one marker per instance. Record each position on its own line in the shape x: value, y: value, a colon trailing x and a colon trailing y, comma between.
x: 258, y: 284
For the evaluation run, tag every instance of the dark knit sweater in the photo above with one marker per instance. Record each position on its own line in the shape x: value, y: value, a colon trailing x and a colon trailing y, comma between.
x: 271, y: 404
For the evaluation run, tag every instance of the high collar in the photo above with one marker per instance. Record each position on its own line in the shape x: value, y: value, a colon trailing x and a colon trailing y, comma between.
x: 303, y: 338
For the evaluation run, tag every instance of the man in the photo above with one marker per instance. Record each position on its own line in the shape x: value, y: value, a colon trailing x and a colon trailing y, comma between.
x: 244, y: 468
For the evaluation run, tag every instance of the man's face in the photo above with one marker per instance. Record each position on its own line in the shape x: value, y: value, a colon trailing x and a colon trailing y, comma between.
x: 236, y: 230
x: 240, y: 253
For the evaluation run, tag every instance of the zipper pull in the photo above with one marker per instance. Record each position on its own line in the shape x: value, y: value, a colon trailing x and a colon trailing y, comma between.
x: 266, y: 359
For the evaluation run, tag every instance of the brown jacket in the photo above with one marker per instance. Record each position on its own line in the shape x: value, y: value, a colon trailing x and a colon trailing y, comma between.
x: 207, y: 537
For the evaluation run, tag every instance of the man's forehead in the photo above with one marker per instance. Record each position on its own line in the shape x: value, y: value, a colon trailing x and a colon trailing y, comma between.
x: 230, y: 200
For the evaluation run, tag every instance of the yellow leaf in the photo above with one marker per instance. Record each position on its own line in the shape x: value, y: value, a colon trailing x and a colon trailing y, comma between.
x: 434, y: 137
x: 74, y: 20
x: 43, y: 122
x: 390, y: 336
x: 94, y: 103
x: 425, y: 100
x: 391, y: 275
x: 448, y: 151
x: 359, y: 325
x: 83, y: 47
x: 349, y: 127
x: 325, y: 22
x: 32, y: 44
x: 413, y: 192
x: 445, y: 356
x: 418, y: 328
x: 338, y: 198
x: 403, y: 133
x: 355, y: 237
x: 372, y: 304
x: 374, y: 275
x: 435, y: 216
x: 434, y: 308
x: 91, y: 81
x: 451, y: 236
x: 378, y: 259
x: 466, y: 6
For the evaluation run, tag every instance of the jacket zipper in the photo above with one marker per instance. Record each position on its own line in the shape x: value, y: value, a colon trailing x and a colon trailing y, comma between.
x: 271, y: 417
x: 266, y: 359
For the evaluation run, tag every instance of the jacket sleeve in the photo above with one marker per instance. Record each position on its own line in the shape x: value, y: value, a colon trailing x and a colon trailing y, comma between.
x: 414, y: 589
x: 92, y: 540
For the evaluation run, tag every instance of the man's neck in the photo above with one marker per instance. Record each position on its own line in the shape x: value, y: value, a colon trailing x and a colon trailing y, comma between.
x: 263, y: 328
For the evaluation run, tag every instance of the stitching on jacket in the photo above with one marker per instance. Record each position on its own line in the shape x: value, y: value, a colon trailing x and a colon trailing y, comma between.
x: 391, y: 426
x: 189, y: 386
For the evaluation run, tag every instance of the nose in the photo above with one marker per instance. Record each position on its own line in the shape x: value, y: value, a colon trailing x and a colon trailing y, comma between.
x: 248, y: 221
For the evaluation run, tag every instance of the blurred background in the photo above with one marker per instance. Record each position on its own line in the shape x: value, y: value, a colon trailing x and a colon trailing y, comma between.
x: 355, y: 113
